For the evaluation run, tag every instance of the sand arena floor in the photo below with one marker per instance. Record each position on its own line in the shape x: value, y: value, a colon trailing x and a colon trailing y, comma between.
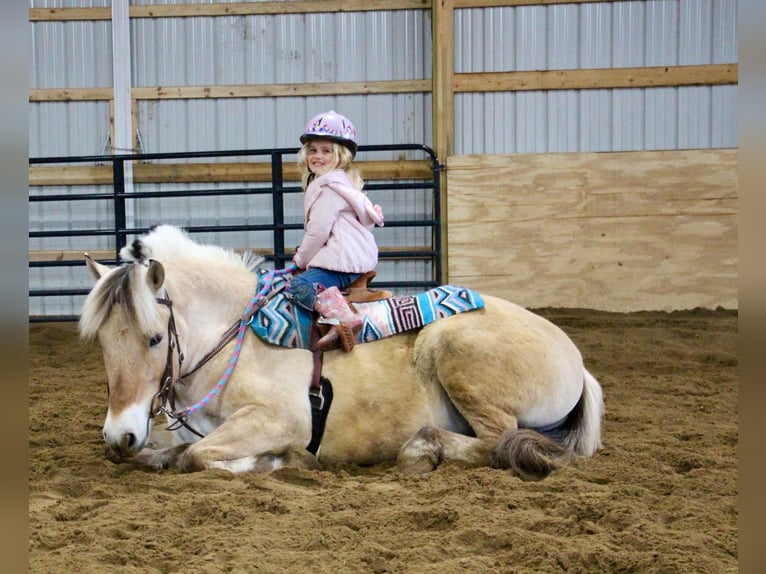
x: 661, y: 497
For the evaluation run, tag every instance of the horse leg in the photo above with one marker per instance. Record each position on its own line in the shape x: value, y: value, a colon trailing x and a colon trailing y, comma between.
x: 537, y: 375
x: 163, y: 450
x: 253, y: 439
x: 430, y: 446
x: 173, y: 457
x: 525, y: 452
x: 159, y: 458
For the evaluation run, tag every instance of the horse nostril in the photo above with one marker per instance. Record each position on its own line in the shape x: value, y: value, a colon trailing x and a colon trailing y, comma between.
x: 131, y: 440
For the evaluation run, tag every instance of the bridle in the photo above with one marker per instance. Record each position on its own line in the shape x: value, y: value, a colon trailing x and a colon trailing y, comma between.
x: 166, y: 396
x: 163, y: 401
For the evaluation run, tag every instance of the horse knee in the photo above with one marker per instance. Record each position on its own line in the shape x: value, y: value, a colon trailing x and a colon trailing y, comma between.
x: 159, y: 459
x: 197, y: 458
x: 422, y: 453
x: 192, y: 460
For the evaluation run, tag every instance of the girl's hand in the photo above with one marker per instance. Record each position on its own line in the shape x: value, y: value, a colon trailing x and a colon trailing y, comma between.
x: 378, y: 217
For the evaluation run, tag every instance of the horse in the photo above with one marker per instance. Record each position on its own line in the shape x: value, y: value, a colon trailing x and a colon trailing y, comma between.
x: 498, y: 387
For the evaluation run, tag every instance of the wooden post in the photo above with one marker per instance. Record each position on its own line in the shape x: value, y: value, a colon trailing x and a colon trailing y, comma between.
x: 442, y: 102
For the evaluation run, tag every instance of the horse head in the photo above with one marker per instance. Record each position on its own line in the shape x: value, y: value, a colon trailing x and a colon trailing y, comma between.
x: 124, y: 311
x: 130, y: 312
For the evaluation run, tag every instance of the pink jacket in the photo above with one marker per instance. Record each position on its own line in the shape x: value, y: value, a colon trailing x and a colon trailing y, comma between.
x: 338, y: 226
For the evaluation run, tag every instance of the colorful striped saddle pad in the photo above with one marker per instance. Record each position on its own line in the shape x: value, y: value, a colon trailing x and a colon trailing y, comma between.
x: 280, y: 322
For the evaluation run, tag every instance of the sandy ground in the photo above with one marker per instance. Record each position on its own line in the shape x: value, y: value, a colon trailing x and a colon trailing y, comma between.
x: 660, y: 497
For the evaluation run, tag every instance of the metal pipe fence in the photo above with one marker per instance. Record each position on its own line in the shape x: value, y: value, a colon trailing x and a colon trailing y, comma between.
x: 109, y: 234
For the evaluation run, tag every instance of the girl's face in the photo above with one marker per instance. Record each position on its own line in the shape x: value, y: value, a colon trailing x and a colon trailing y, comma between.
x: 319, y: 156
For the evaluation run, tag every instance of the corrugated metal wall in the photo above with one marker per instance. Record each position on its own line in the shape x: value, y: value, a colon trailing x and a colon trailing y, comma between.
x: 396, y: 45
x: 391, y: 45
x: 598, y: 35
x: 293, y: 48
x: 233, y: 50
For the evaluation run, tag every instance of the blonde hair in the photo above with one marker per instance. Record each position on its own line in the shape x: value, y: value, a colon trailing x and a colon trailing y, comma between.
x: 341, y: 159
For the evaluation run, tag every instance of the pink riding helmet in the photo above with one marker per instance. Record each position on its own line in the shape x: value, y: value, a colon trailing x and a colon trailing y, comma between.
x: 332, y: 126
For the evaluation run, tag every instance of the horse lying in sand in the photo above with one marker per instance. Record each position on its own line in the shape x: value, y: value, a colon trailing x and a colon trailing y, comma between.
x: 499, y: 386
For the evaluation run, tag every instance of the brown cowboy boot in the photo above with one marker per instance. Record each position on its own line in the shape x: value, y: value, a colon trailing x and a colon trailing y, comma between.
x: 344, y: 321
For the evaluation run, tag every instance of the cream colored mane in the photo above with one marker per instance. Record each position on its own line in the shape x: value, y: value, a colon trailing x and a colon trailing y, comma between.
x: 209, y: 267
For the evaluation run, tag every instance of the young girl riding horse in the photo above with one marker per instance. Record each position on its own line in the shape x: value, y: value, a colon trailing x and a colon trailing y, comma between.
x: 338, y: 244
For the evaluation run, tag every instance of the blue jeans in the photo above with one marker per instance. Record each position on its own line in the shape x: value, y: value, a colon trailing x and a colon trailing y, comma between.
x: 303, y: 287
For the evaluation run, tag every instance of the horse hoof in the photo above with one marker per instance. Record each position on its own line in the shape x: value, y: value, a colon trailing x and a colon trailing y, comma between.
x: 423, y: 465
x: 422, y: 453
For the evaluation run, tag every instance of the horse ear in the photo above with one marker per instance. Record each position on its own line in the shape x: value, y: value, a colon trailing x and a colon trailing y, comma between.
x: 96, y: 269
x: 156, y: 274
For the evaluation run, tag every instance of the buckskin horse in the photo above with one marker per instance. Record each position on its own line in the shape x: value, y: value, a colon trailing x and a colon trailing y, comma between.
x: 496, y: 386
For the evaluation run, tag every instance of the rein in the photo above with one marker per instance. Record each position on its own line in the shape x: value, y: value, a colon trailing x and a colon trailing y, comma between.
x: 166, y: 396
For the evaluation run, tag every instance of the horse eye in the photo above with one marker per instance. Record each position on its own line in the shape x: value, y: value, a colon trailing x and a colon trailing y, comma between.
x: 156, y: 340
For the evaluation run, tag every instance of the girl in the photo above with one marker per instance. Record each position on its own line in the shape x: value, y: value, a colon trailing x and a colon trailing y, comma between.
x: 338, y: 244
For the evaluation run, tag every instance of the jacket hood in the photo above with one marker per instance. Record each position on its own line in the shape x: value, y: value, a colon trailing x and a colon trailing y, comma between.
x: 338, y: 181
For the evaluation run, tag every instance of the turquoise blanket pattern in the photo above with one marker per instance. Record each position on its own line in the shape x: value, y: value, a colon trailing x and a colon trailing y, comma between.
x: 282, y: 323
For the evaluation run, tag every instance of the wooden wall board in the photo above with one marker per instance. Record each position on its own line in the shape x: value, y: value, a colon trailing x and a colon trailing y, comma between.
x: 44, y: 175
x: 599, y: 78
x: 623, y: 231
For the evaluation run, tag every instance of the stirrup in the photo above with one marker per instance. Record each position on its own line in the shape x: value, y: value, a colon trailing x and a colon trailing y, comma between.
x: 341, y: 333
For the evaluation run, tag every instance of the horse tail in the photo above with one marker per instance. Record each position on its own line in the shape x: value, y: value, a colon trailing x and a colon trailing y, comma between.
x: 529, y: 454
x: 533, y: 455
x: 584, y: 433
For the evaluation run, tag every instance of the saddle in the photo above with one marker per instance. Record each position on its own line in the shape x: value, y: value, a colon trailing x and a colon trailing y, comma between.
x: 360, y: 292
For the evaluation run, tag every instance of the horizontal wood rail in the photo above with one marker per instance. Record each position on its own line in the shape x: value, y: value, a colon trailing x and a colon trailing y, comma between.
x: 597, y: 78
x: 594, y: 78
x: 214, y: 172
x: 233, y: 91
x: 458, y: 4
x: 107, y: 254
x: 274, y: 8
x: 231, y: 9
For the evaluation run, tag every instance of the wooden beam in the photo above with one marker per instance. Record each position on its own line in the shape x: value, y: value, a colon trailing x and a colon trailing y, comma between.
x: 70, y: 94
x: 69, y: 14
x: 459, y: 4
x: 235, y: 91
x: 269, y: 8
x: 443, y: 98
x: 231, y: 9
x: 214, y: 172
x: 599, y: 78
x: 70, y: 175
x: 274, y: 8
x: 286, y: 90
x: 68, y: 255
x: 443, y: 71
x: 102, y: 254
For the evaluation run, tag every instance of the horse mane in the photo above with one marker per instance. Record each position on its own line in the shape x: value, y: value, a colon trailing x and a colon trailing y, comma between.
x: 171, y: 243
x: 120, y: 287
x: 126, y: 285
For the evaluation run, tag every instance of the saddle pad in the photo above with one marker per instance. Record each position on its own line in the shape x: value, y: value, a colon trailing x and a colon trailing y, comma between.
x: 282, y: 323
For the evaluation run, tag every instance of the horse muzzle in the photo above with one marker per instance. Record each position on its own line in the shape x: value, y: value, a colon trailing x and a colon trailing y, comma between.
x: 126, y: 434
x: 125, y: 448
